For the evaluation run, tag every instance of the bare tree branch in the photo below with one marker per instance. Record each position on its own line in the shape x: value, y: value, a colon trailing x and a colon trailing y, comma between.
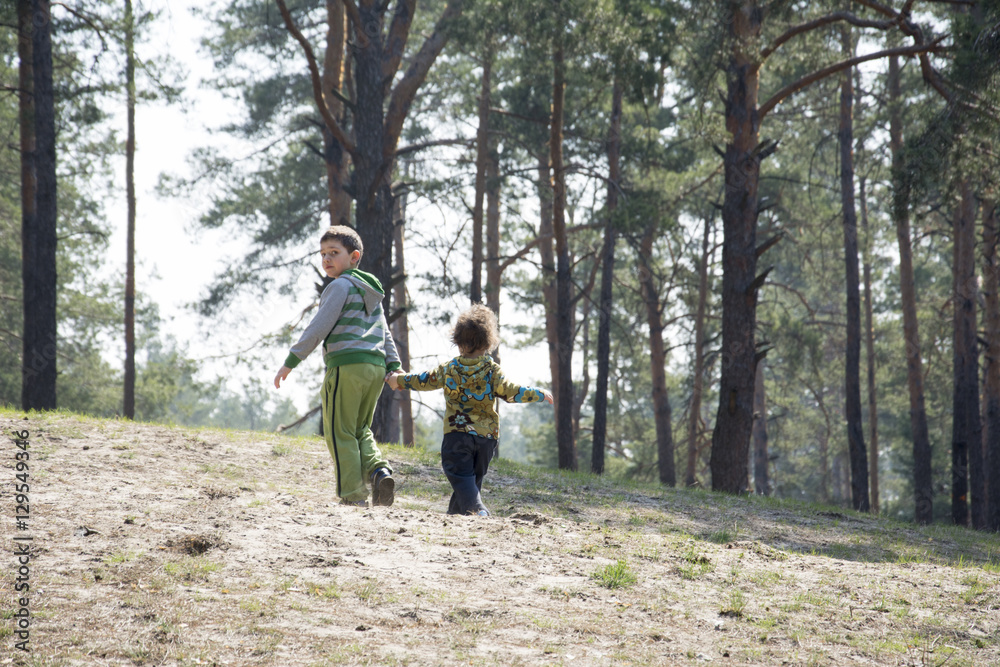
x: 796, y: 86
x: 355, y: 15
x: 413, y: 148
x: 406, y: 89
x: 395, y: 43
x: 324, y: 109
x: 826, y: 20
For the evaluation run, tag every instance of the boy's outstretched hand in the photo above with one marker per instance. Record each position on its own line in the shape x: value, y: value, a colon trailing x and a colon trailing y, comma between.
x: 548, y: 397
x: 282, y: 375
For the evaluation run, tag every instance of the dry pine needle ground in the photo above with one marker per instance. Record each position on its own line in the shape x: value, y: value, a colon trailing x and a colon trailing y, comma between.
x: 156, y: 545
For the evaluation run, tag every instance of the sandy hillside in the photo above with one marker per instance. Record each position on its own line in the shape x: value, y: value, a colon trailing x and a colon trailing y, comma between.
x: 158, y: 545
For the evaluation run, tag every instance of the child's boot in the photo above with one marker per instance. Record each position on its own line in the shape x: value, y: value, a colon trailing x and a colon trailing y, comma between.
x: 383, y: 487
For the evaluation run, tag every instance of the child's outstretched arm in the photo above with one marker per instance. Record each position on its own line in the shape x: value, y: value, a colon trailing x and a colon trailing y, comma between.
x: 513, y: 393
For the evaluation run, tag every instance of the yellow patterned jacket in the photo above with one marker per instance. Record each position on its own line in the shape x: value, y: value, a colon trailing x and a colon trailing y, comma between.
x: 471, y: 389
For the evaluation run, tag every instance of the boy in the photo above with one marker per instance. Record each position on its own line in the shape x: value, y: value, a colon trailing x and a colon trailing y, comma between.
x: 357, y: 349
x: 471, y: 382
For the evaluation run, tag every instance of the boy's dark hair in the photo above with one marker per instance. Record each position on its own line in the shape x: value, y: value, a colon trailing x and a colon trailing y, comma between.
x: 476, y: 329
x: 345, y: 236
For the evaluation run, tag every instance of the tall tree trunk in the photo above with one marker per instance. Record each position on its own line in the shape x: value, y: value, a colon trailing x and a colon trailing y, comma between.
x: 823, y: 493
x: 492, y: 260
x: 966, y: 439
x: 401, y: 326
x: 870, y: 354
x: 29, y: 181
x: 335, y: 156
x: 991, y: 390
x: 582, y: 388
x: 698, y: 383
x: 565, y: 438
x: 547, y: 258
x: 740, y: 282
x: 482, y: 156
x: 852, y: 370
x: 128, y: 401
x: 38, y: 389
x: 923, y: 489
x: 607, y: 276
x: 760, y: 480
x: 658, y: 366
x: 372, y: 172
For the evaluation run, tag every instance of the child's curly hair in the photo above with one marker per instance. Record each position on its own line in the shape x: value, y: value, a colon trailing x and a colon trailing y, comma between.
x: 476, y: 329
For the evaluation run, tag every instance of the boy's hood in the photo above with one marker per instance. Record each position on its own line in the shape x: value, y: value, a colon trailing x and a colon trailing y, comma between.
x: 368, y: 284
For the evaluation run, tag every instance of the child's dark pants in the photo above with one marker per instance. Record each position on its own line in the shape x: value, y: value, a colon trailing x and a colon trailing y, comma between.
x: 465, y: 459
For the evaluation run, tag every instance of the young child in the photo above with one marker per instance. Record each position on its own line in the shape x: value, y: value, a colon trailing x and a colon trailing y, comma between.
x: 472, y: 382
x: 357, y: 349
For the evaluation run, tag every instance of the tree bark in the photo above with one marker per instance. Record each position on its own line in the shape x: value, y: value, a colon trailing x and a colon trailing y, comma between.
x: 547, y: 258
x: 922, y: 482
x: 335, y: 156
x: 658, y: 365
x: 607, y: 276
x: 373, y: 193
x: 734, y: 420
x: 565, y: 437
x: 38, y: 389
x: 870, y: 354
x: 991, y: 390
x: 694, y: 414
x: 966, y: 439
x: 760, y: 478
x: 823, y: 493
x: 494, y: 275
x: 582, y: 387
x: 29, y: 184
x: 482, y: 156
x: 128, y: 400
x: 401, y: 326
x: 852, y: 372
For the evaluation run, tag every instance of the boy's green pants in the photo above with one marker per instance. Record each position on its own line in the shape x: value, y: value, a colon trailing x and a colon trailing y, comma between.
x: 349, y: 396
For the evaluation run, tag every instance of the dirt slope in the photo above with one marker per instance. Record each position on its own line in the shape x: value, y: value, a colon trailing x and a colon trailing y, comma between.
x: 157, y: 545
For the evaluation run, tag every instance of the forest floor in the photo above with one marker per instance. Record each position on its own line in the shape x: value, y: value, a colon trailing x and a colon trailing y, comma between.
x: 159, y: 545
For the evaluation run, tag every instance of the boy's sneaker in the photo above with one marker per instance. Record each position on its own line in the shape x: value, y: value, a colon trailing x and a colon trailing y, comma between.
x: 354, y: 503
x: 383, y: 487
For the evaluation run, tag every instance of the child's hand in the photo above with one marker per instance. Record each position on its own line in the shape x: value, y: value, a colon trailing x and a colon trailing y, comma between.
x: 282, y: 375
x: 392, y: 380
x: 548, y: 397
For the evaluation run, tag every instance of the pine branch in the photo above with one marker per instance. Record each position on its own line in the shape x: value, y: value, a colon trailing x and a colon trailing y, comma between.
x: 796, y: 86
x: 826, y: 20
x: 359, y: 31
x: 395, y: 43
x: 331, y: 122
x: 406, y: 89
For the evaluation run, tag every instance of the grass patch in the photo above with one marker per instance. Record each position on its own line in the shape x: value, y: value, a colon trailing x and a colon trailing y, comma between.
x: 192, y: 568
x: 696, y: 564
x: 281, y: 449
x: 615, y: 575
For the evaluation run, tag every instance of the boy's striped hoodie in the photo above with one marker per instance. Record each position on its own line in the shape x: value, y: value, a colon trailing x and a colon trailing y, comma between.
x: 350, y: 324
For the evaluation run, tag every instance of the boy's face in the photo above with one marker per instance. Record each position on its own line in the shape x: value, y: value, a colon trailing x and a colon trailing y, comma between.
x: 336, y: 258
